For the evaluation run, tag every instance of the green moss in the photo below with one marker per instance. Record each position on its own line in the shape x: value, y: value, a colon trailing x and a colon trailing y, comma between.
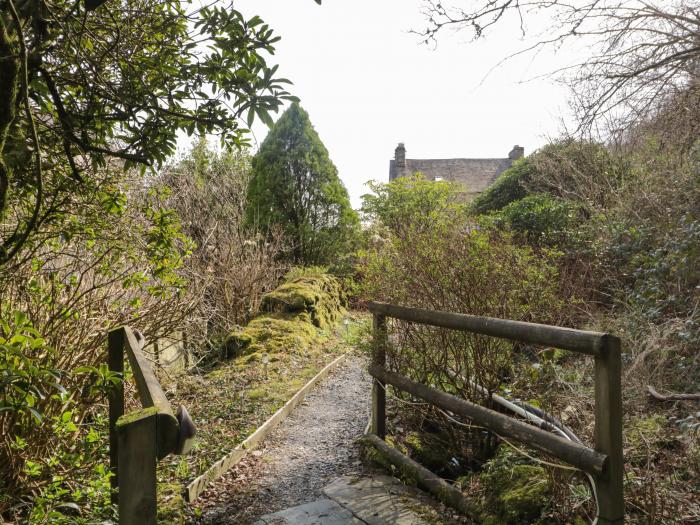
x: 171, y: 504
x: 515, y: 490
x: 646, y: 437
x: 319, y: 295
x: 298, y: 309
x: 136, y: 415
x: 272, y: 333
x: 257, y: 393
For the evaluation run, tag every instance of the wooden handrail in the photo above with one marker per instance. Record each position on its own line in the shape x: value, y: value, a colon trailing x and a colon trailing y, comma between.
x: 151, y: 394
x: 604, y: 463
x: 573, y: 453
x: 139, y: 439
x: 581, y: 341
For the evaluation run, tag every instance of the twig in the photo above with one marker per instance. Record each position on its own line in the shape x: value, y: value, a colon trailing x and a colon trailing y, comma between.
x: 672, y: 397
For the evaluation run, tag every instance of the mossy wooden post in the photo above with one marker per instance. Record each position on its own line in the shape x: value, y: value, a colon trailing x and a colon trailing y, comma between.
x: 608, y: 432
x: 115, y: 362
x: 136, y: 437
x: 379, y: 337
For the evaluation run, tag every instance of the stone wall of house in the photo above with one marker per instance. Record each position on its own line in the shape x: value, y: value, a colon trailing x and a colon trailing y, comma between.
x: 474, y: 174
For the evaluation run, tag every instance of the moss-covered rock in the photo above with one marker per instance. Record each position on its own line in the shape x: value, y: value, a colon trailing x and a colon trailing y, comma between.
x: 516, y: 491
x: 296, y: 309
x: 319, y: 295
x: 272, y: 333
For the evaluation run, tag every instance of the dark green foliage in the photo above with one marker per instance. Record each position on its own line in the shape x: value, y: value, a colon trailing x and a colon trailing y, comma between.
x: 539, y: 219
x: 510, y: 186
x: 26, y: 380
x: 661, y: 270
x: 295, y: 186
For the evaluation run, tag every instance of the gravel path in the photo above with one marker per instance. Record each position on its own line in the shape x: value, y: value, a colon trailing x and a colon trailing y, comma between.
x: 311, y: 448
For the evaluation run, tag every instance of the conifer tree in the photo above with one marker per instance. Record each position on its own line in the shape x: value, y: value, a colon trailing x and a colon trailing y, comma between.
x: 295, y: 186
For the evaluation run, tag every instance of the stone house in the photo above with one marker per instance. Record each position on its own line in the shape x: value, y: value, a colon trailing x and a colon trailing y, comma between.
x: 475, y: 174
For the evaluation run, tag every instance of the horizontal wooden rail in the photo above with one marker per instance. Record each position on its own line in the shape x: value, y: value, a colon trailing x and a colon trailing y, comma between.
x: 582, y: 341
x: 447, y: 493
x: 152, y: 395
x: 604, y: 463
x: 575, y: 454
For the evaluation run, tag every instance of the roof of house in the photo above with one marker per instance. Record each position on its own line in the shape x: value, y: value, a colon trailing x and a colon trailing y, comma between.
x: 475, y: 174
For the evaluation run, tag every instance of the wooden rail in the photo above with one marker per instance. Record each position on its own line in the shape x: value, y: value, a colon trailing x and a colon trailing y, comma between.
x: 139, y: 439
x: 604, y: 462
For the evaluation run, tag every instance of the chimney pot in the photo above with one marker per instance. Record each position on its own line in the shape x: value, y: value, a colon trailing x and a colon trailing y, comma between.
x: 518, y: 152
x: 400, y: 155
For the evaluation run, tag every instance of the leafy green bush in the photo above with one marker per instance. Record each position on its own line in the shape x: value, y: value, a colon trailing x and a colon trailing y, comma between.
x: 539, y: 219
x: 579, y: 171
x: 47, y: 445
x: 117, y: 258
x: 442, y: 261
x: 411, y: 203
x: 26, y: 381
x: 510, y: 186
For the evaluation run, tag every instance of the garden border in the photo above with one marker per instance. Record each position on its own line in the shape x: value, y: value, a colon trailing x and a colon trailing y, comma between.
x: 195, y: 488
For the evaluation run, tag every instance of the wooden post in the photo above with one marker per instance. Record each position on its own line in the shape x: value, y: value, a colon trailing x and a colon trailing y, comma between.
x: 115, y: 362
x: 379, y: 339
x: 136, y: 435
x: 608, y: 432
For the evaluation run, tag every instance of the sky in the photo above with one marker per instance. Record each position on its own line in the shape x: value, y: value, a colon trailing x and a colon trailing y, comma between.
x: 368, y: 84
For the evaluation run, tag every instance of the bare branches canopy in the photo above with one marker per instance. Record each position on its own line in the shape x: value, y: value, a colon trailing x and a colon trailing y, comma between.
x: 640, y: 52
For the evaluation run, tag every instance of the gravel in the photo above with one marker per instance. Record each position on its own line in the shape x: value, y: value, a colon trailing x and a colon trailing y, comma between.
x: 312, y: 447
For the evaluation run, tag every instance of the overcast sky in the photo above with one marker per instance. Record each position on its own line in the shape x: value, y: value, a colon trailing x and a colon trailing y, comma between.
x: 368, y: 83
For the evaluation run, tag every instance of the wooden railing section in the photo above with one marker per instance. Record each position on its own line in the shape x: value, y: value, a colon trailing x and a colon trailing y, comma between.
x: 604, y: 462
x: 139, y: 439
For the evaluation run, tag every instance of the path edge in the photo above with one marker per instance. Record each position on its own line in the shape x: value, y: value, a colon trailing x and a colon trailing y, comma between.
x: 193, y: 490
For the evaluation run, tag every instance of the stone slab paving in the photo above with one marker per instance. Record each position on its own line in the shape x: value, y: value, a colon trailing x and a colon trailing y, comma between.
x: 320, y: 512
x: 376, y: 500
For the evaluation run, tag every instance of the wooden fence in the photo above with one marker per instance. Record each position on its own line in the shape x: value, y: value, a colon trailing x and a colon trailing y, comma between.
x: 139, y: 439
x: 604, y: 462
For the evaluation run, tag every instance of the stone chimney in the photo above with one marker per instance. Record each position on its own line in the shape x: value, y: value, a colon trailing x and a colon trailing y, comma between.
x: 518, y: 152
x: 400, y: 156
